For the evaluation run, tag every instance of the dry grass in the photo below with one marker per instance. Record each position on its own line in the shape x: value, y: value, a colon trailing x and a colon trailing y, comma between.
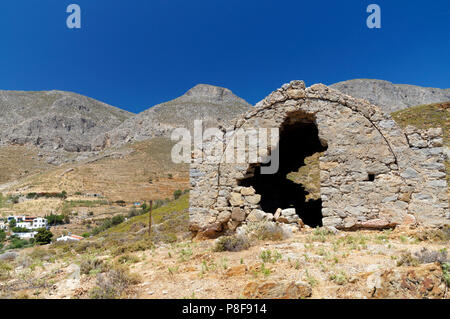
x: 19, y: 161
x: 147, y: 172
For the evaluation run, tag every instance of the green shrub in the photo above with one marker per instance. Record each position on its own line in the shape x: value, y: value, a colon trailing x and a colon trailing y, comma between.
x: 14, y: 199
x: 120, y: 202
x: 446, y: 273
x: 127, y: 259
x: 116, y: 220
x: 20, y: 230
x: 53, y: 219
x: 140, y: 245
x: 340, y: 278
x: 43, y: 236
x: 133, y: 212
x: 94, y: 265
x: 177, y: 194
x: 268, y: 256
x: 5, y: 270
x: 17, y: 243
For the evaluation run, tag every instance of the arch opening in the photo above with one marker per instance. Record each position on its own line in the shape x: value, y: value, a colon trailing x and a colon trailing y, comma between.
x: 297, y: 182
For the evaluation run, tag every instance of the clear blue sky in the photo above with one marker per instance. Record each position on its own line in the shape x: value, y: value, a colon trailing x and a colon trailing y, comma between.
x: 136, y: 53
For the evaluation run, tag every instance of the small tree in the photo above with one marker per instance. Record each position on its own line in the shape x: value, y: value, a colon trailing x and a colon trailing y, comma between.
x: 43, y: 237
x: 116, y: 220
x: 2, y: 235
x: 12, y: 223
x: 177, y: 194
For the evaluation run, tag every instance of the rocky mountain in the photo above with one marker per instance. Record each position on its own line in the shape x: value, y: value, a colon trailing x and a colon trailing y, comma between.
x: 55, y: 120
x: 209, y: 103
x: 392, y: 97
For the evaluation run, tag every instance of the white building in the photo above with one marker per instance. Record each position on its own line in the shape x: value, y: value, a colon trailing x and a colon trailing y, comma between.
x: 29, y: 222
x: 3, y: 226
x: 39, y: 222
x: 69, y: 238
x: 18, y: 219
x: 26, y: 235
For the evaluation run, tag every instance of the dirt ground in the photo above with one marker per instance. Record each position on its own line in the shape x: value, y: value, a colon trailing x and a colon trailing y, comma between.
x: 313, y: 263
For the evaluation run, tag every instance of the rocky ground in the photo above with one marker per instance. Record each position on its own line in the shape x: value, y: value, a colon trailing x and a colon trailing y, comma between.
x: 311, y: 263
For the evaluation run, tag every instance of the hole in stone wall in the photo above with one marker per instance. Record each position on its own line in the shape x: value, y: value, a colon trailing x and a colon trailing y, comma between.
x: 297, y: 182
x: 371, y: 178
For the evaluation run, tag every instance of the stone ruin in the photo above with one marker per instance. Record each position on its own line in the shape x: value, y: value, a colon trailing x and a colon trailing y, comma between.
x: 371, y: 173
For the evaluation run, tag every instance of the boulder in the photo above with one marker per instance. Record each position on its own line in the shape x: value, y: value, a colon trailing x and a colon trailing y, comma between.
x: 224, y: 216
x: 9, y: 256
x: 277, y: 290
x: 236, y: 199
x: 236, y: 271
x: 237, y: 214
x: 288, y: 212
x: 256, y: 215
x: 277, y: 213
x: 253, y: 200
x: 248, y: 191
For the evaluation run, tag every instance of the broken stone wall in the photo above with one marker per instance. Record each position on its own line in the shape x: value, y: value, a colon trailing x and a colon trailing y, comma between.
x: 371, y: 176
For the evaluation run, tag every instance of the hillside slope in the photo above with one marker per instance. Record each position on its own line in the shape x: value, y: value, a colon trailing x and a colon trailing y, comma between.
x: 55, y: 119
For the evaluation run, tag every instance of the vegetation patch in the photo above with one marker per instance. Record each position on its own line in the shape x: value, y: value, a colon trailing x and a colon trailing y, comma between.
x: 113, y: 284
x: 232, y: 243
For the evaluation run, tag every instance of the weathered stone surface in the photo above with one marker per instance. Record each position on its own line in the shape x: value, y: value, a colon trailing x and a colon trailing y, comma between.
x: 288, y: 212
x: 236, y: 199
x: 377, y: 224
x: 277, y: 213
x: 409, y: 173
x: 236, y: 271
x: 253, y: 200
x: 277, y: 290
x: 238, y: 214
x: 224, y: 217
x: 256, y: 215
x: 247, y: 191
x: 9, y: 256
x: 419, y: 282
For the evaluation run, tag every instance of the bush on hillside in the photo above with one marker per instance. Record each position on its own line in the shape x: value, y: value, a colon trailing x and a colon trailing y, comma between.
x: 43, y: 237
x: 177, y: 194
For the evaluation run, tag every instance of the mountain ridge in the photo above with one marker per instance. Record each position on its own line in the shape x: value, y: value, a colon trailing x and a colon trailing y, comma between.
x: 209, y: 103
x: 55, y: 120
x: 389, y: 96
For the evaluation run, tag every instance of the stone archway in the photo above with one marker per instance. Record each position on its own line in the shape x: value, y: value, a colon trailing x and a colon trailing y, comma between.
x: 372, y: 174
x: 297, y: 181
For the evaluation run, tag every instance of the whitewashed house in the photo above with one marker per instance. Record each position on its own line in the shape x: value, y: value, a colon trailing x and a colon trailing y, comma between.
x: 39, y: 222
x: 26, y: 235
x: 30, y: 222
x: 69, y: 238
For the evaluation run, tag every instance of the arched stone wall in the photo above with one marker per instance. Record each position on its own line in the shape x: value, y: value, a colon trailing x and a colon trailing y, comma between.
x: 361, y: 141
